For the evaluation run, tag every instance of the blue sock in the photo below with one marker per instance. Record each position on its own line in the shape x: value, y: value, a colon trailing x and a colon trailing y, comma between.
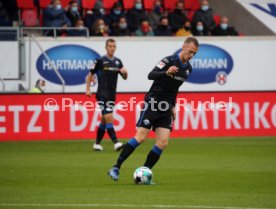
x: 133, y: 142
x: 100, y: 133
x: 153, y: 157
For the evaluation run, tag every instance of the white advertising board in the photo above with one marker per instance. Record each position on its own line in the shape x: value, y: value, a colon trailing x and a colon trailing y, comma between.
x: 221, y: 64
x: 9, y: 60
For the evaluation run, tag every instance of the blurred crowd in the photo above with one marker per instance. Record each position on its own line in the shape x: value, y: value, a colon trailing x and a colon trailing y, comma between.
x: 136, y: 21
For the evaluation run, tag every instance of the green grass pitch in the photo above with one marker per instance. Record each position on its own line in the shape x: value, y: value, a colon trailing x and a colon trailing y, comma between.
x: 219, y: 173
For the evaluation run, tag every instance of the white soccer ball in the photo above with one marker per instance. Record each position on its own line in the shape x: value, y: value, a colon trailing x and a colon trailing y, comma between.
x: 142, y: 175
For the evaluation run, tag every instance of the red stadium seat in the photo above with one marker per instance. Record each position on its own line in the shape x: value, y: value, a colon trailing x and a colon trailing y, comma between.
x: 108, y: 4
x: 64, y: 3
x: 148, y: 4
x: 217, y: 19
x: 25, y: 4
x: 191, y: 4
x: 44, y: 3
x: 190, y: 14
x: 170, y: 4
x: 88, y: 4
x: 29, y: 17
x: 128, y: 4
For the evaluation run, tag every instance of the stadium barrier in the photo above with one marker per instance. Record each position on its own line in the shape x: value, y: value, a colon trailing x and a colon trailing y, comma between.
x: 75, y: 116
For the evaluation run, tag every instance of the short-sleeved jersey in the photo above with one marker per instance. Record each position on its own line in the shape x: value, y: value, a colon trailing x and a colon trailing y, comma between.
x: 165, y: 88
x: 107, y: 71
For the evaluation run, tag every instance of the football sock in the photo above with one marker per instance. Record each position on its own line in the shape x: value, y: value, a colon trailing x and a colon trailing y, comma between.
x: 111, y: 132
x: 126, y: 152
x: 100, y: 133
x: 153, y: 157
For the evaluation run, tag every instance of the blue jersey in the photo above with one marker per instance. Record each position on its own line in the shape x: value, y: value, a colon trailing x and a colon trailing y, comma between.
x: 107, y: 71
x: 165, y: 88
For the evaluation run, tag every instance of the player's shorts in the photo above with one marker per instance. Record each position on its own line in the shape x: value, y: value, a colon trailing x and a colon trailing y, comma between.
x: 106, y: 106
x: 151, y: 119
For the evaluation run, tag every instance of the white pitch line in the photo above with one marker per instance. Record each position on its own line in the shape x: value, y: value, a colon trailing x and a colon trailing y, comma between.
x: 121, y: 205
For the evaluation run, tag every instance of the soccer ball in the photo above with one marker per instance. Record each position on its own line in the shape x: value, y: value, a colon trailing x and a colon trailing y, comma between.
x: 142, y: 175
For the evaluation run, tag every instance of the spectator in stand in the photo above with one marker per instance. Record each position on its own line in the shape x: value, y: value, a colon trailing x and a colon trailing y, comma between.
x: 120, y: 28
x: 186, y: 30
x: 156, y: 14
x: 163, y: 29
x: 177, y: 17
x: 54, y: 16
x: 93, y: 15
x: 100, y: 28
x: 135, y: 16
x: 73, y: 12
x: 79, y: 31
x: 144, y: 29
x: 199, y: 29
x: 115, y: 14
x: 39, y: 88
x: 223, y: 29
x: 205, y: 15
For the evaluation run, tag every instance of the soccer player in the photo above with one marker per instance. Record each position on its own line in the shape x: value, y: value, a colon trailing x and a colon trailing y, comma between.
x: 159, y: 108
x: 107, y: 69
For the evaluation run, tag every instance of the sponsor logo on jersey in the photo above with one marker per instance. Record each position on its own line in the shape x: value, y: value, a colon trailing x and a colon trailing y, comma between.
x: 208, y: 62
x: 73, y: 62
x: 160, y: 65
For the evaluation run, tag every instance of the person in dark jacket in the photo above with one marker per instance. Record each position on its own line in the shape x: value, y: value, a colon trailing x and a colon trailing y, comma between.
x: 223, y: 29
x: 163, y: 29
x: 54, y: 16
x: 73, y: 12
x: 115, y: 14
x: 178, y: 17
x: 200, y: 30
x: 120, y: 28
x: 135, y: 16
x: 205, y: 15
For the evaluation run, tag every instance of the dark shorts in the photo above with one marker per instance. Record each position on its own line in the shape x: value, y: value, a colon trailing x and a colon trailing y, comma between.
x: 106, y: 106
x: 153, y: 119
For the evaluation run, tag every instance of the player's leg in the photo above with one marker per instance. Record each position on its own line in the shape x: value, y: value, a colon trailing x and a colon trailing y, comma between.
x: 111, y: 131
x: 100, y: 134
x: 162, y: 137
x: 130, y: 146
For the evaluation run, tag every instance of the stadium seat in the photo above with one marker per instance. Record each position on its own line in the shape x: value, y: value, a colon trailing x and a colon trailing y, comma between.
x: 108, y: 4
x: 88, y: 4
x: 44, y: 3
x: 169, y: 4
x: 191, y: 4
x: 25, y: 4
x: 217, y: 19
x: 128, y: 4
x: 64, y: 3
x: 29, y: 17
x: 190, y: 14
x: 148, y: 4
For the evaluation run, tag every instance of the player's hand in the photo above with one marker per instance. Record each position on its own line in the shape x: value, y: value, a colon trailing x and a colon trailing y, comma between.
x: 171, y: 71
x: 88, y: 93
x: 173, y: 113
x: 124, y: 73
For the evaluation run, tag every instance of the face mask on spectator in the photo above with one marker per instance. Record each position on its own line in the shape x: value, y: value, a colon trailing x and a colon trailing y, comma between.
x: 58, y: 6
x: 74, y: 9
x: 145, y: 28
x: 101, y: 27
x: 138, y: 6
x: 123, y: 25
x: 102, y: 11
x: 117, y: 11
x: 199, y: 28
x: 205, y: 7
x: 187, y: 27
x: 223, y: 26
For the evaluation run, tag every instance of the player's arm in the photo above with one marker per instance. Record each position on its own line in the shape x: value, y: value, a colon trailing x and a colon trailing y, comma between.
x: 162, y: 69
x: 123, y: 73
x: 88, y: 80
